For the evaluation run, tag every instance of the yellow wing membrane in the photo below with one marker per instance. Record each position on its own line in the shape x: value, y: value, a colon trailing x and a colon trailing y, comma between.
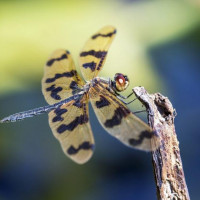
x: 60, y: 79
x: 119, y: 121
x: 94, y: 53
x: 70, y: 125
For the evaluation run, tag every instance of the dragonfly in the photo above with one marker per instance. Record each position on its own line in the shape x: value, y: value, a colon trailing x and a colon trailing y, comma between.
x: 68, y: 96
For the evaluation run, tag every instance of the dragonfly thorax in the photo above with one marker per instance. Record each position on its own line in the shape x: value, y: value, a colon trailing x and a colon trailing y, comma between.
x: 90, y: 84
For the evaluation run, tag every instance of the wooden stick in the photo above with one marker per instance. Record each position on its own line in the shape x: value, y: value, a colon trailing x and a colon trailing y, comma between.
x: 167, y: 164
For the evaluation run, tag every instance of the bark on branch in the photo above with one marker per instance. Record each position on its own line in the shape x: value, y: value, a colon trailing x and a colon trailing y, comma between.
x: 167, y: 164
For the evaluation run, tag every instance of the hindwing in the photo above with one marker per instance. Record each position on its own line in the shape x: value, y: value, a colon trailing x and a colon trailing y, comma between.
x: 70, y: 125
x: 119, y: 121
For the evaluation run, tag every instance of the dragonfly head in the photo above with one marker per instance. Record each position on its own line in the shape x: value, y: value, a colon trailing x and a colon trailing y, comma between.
x: 120, y: 83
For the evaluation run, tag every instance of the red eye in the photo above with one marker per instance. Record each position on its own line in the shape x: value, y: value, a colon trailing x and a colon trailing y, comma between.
x: 120, y: 82
x: 119, y: 78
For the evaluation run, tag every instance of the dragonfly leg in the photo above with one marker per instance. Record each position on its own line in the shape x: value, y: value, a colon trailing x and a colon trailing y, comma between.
x: 127, y: 102
x: 139, y: 111
x: 124, y: 97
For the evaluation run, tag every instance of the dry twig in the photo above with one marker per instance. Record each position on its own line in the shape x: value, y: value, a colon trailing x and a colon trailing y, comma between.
x: 167, y: 164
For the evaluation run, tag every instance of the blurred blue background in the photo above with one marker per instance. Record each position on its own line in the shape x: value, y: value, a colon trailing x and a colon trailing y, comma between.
x: 157, y: 45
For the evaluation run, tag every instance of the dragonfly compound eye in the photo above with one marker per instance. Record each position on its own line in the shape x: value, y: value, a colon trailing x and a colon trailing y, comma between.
x: 121, y: 82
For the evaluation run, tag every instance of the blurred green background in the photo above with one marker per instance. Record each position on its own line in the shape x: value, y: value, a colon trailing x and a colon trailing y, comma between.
x: 157, y: 45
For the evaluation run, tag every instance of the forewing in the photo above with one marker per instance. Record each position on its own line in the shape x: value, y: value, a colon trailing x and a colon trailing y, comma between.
x: 119, y: 121
x: 70, y: 125
x: 60, y: 79
x: 94, y: 53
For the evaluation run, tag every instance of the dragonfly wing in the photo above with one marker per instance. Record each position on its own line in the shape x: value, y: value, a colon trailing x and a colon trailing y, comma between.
x: 93, y: 54
x: 120, y: 122
x: 60, y: 79
x: 70, y: 125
